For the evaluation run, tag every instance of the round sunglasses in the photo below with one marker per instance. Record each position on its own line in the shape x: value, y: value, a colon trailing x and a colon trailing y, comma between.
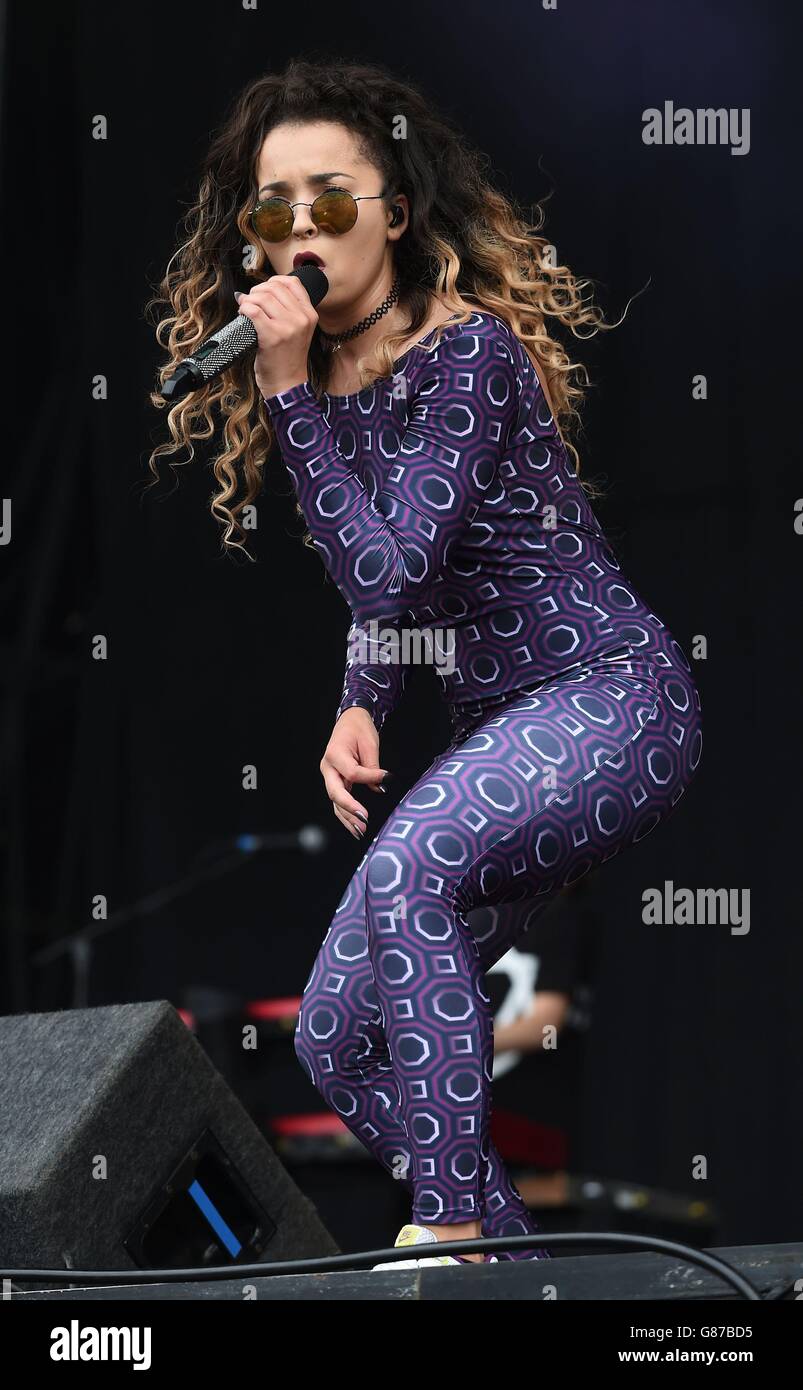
x: 334, y: 210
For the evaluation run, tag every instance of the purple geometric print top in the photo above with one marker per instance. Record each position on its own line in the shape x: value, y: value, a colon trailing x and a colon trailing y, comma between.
x: 442, y: 499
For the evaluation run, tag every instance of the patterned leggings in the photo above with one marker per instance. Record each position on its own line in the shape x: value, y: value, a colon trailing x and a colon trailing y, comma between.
x: 395, y: 1029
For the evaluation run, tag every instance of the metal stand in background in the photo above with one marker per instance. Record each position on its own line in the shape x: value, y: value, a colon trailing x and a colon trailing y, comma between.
x: 78, y: 945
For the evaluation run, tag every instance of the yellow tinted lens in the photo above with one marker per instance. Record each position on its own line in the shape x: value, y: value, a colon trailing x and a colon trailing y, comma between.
x: 273, y: 219
x: 335, y: 211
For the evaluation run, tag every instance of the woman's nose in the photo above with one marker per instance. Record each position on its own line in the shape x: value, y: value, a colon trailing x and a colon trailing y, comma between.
x: 302, y: 219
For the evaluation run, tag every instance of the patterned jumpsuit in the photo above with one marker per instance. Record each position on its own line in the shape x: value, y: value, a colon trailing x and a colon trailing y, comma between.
x: 442, y: 500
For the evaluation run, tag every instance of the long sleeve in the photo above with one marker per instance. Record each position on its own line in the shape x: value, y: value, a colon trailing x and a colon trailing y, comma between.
x: 371, y: 682
x: 384, y: 555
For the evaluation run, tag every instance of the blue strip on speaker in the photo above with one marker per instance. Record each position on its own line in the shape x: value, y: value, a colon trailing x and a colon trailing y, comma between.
x: 210, y: 1211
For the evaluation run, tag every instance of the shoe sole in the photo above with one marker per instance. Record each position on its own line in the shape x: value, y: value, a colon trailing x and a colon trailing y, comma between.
x: 435, y: 1260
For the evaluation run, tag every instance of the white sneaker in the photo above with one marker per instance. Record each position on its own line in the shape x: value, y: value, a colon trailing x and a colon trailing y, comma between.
x: 421, y: 1235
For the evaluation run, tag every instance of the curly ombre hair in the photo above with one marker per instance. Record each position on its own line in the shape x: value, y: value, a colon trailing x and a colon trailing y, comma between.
x: 466, y: 244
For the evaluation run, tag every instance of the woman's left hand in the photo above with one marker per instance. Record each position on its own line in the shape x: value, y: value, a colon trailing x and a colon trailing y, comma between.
x: 283, y: 316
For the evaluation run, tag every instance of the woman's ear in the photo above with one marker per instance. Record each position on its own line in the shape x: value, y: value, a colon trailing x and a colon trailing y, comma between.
x: 400, y: 211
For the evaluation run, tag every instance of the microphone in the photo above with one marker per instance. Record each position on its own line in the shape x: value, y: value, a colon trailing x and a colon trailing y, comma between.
x: 231, y: 341
x: 311, y: 838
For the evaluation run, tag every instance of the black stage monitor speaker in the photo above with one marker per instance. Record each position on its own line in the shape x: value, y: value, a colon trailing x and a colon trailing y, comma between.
x: 121, y: 1147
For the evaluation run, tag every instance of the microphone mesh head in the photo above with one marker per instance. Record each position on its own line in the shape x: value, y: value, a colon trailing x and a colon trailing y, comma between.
x: 313, y: 280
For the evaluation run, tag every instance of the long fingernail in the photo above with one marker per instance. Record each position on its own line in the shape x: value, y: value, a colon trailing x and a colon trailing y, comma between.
x: 238, y: 294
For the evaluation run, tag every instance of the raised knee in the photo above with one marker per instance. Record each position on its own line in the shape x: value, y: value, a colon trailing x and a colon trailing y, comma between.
x: 392, y: 881
x: 311, y: 1040
x: 328, y: 1043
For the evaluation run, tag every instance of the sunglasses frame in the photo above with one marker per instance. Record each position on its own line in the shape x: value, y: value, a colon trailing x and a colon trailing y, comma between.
x: 359, y: 198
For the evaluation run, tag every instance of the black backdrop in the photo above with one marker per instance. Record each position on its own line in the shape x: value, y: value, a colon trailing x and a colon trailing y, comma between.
x: 119, y: 775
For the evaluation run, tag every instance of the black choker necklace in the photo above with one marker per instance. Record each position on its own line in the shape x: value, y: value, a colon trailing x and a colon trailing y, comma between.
x: 334, y: 341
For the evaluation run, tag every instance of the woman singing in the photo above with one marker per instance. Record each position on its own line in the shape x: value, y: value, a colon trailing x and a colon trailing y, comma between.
x: 422, y: 412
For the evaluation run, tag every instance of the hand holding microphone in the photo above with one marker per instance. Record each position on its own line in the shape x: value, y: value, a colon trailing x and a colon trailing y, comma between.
x: 282, y: 314
x: 278, y: 318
